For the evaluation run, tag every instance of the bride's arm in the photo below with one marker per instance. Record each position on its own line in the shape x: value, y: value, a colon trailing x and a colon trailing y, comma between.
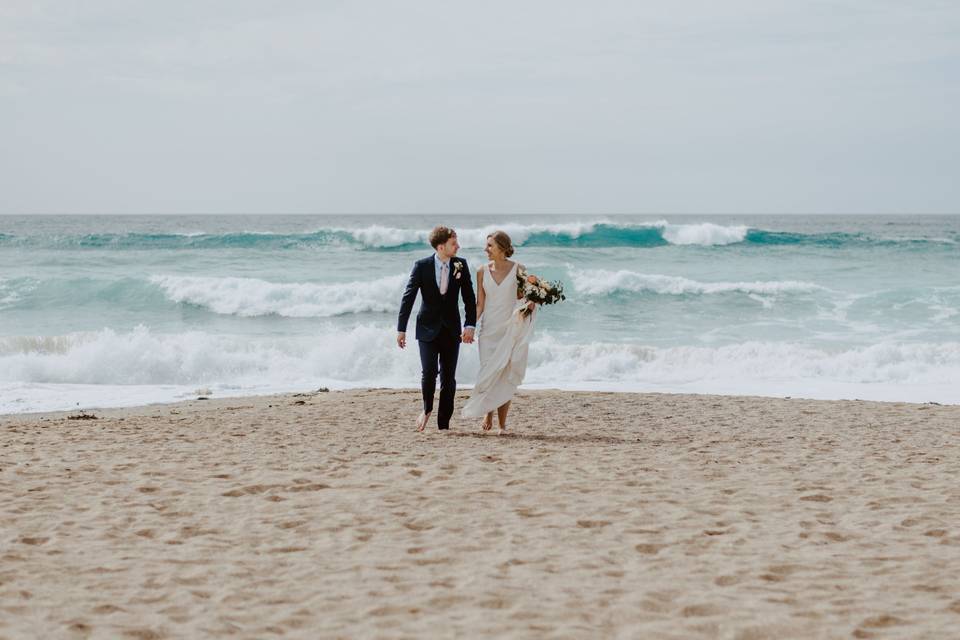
x: 481, y: 297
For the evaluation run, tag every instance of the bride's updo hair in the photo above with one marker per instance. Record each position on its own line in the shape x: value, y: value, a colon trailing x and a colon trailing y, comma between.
x: 502, y: 240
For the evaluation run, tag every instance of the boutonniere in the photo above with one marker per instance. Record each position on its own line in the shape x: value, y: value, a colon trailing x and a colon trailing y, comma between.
x: 456, y: 270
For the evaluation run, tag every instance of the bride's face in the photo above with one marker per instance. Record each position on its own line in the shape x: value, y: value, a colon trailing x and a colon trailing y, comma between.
x: 493, y: 251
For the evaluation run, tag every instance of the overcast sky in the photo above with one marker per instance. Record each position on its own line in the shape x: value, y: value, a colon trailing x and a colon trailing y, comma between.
x: 443, y: 106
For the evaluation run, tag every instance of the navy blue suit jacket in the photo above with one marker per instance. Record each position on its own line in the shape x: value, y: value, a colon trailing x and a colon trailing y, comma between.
x: 438, y: 311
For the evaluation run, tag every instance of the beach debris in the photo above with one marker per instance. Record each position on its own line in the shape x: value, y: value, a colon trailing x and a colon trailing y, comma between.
x: 323, y: 390
x: 202, y: 398
x: 299, y: 402
x: 83, y: 415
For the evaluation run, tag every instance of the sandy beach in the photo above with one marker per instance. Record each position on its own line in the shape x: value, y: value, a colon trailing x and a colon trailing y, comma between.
x: 598, y: 515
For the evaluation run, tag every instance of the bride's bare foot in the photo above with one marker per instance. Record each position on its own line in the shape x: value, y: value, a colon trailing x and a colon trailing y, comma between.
x: 487, y: 423
x: 422, y: 421
x: 502, y: 429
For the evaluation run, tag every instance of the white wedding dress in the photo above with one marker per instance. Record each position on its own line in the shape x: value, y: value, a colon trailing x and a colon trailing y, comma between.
x: 504, y: 340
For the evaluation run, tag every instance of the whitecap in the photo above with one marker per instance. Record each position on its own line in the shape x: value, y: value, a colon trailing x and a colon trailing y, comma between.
x: 40, y: 371
x: 254, y: 297
x: 706, y: 234
x: 603, y: 282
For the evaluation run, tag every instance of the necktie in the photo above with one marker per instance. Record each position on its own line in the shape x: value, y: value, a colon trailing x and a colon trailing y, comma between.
x: 444, y: 278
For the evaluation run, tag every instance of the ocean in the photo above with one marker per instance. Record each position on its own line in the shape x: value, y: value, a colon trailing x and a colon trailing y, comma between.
x: 125, y: 310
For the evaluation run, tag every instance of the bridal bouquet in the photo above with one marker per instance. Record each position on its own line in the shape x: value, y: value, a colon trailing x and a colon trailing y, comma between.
x: 533, y: 289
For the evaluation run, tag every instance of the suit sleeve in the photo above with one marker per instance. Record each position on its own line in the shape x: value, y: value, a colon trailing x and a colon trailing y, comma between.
x: 409, y: 295
x: 469, y: 298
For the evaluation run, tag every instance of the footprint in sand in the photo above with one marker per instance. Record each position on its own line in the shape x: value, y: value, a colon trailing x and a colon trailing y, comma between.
x: 317, y: 486
x: 699, y: 610
x: 816, y: 497
x: 142, y: 634
x: 107, y: 608
x: 246, y: 491
x: 870, y: 625
x: 262, y: 488
x: 529, y: 513
x: 592, y: 524
x: 833, y: 536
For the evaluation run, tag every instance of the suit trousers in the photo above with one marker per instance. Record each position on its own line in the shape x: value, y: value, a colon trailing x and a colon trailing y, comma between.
x: 440, y: 356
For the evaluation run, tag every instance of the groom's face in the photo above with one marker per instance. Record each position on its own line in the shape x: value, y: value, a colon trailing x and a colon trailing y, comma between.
x: 449, y: 248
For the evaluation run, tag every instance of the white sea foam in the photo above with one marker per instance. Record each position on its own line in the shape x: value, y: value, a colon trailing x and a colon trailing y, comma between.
x: 8, y: 297
x: 107, y: 367
x: 707, y: 234
x: 253, y: 297
x: 602, y: 282
x: 378, y: 236
x: 36, y: 373
x: 887, y: 371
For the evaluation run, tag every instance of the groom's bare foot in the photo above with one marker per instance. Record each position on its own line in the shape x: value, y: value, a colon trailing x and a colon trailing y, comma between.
x: 422, y: 421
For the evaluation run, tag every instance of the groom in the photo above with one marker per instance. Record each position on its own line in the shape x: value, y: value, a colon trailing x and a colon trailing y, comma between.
x: 440, y: 278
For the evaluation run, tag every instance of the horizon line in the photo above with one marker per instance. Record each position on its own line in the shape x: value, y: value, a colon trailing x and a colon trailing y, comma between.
x: 489, y: 213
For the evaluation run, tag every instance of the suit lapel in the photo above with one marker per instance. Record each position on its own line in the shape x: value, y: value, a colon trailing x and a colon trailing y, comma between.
x: 432, y: 274
x: 452, y: 282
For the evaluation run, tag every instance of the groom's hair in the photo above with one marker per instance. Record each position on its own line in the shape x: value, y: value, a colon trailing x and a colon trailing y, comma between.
x: 440, y: 235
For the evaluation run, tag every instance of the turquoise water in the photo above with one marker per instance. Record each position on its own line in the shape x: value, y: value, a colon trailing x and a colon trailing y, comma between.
x: 113, y: 310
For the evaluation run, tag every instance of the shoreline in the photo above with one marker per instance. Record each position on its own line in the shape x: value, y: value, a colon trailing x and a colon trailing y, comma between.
x: 261, y: 398
x: 598, y: 514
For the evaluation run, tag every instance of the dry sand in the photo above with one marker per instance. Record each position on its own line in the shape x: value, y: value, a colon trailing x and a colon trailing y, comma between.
x: 602, y: 515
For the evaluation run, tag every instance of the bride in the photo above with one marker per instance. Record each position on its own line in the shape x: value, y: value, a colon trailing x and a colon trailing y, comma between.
x: 504, y: 335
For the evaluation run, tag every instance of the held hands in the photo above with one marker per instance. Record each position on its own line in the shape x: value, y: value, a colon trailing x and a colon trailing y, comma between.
x: 467, y: 337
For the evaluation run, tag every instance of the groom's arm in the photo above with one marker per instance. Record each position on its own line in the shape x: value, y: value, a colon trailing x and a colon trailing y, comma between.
x: 409, y: 295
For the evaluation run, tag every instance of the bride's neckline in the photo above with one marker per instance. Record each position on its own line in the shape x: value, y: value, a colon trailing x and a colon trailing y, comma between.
x: 504, y: 277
